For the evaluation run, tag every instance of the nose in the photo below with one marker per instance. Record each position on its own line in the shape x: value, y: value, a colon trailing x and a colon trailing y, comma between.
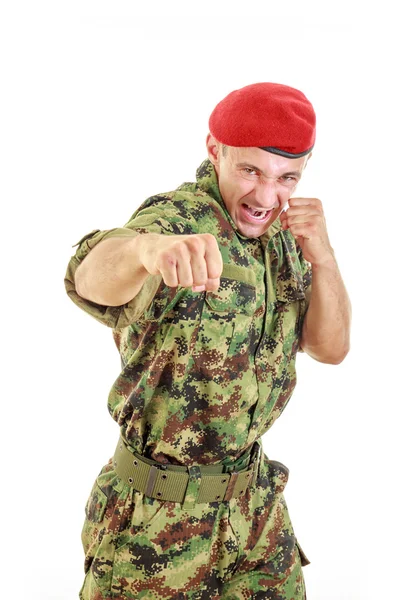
x: 267, y: 194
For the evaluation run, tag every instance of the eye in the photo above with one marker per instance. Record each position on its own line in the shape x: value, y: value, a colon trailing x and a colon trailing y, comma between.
x: 288, y: 180
x: 249, y: 171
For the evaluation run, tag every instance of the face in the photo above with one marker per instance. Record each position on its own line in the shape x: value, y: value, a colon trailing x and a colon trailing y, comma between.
x: 254, y: 184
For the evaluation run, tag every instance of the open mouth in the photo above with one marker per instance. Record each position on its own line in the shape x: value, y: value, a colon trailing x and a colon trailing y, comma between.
x: 253, y: 214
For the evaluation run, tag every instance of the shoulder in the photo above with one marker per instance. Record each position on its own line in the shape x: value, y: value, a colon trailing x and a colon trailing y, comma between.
x: 186, y: 204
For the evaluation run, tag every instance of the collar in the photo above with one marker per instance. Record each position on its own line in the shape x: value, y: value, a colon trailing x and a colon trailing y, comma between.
x: 207, y: 180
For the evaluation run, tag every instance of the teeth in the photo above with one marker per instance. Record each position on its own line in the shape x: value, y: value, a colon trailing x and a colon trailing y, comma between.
x: 257, y: 213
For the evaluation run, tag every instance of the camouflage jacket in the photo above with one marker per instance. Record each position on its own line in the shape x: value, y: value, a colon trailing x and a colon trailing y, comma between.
x: 204, y: 373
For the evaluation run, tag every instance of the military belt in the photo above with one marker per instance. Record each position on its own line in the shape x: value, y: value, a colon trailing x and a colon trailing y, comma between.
x: 187, y: 485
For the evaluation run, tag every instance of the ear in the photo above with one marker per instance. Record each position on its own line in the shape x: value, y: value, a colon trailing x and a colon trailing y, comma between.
x: 213, y: 149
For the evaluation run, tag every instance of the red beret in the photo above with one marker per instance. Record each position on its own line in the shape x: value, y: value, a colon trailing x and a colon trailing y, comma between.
x: 271, y: 116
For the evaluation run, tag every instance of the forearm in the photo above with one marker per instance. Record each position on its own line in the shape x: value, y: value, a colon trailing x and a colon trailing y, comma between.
x: 326, y: 326
x: 111, y: 274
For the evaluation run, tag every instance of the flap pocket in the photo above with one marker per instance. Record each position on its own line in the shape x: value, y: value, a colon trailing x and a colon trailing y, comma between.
x: 289, y: 287
x: 236, y: 293
x: 233, y: 296
x: 166, y: 298
x: 96, y: 504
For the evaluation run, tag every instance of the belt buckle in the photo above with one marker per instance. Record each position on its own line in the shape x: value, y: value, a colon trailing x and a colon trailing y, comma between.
x: 151, y: 478
x: 231, y: 485
x: 228, y: 468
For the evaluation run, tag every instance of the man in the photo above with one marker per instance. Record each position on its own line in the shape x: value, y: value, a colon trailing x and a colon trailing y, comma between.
x: 208, y: 292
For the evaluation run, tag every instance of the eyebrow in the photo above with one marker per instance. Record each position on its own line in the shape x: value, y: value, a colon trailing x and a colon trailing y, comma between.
x: 288, y: 174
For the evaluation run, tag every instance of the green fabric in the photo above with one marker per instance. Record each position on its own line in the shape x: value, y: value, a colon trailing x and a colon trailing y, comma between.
x: 137, y: 547
x: 176, y: 483
x: 235, y: 272
x: 204, y: 373
x: 112, y: 316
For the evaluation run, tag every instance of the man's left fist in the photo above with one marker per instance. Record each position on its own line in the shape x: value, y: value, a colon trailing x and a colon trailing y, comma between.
x: 306, y: 221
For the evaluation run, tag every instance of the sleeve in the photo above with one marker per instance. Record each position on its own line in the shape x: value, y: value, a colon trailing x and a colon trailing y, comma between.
x: 158, y: 219
x: 306, y: 269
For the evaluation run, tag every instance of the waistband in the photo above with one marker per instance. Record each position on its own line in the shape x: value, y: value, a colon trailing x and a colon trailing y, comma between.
x: 188, y: 485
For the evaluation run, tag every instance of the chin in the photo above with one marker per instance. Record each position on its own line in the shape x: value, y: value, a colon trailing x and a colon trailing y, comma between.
x: 252, y: 232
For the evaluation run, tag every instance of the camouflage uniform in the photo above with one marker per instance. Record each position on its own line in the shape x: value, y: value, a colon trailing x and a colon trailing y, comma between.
x: 204, y: 374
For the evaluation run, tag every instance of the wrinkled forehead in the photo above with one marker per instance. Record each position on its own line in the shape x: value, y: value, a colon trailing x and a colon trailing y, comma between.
x: 263, y: 159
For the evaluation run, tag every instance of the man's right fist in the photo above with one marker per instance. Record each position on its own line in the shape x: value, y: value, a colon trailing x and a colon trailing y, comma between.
x: 186, y: 260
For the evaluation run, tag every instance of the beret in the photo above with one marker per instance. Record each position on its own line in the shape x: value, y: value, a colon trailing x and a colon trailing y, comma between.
x: 271, y: 116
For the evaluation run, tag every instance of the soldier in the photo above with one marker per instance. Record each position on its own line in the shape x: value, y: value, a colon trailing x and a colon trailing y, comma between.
x: 208, y: 293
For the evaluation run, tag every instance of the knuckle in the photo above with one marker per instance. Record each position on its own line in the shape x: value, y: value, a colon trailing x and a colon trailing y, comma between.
x: 181, y: 249
x: 209, y: 238
x: 194, y: 244
x: 167, y: 258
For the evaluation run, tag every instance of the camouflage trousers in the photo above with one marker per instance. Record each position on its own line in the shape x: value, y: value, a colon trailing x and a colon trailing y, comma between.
x: 138, y: 547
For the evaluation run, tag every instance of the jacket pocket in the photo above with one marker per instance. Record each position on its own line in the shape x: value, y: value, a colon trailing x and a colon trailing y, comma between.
x: 226, y: 316
x: 232, y: 297
x: 287, y: 314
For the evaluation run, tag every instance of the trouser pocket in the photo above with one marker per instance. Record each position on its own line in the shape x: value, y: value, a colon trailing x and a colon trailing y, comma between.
x: 171, y: 555
x: 112, y: 507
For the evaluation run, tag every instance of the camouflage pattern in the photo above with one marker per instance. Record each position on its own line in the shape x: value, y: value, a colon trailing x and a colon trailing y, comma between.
x: 143, y: 548
x: 204, y: 374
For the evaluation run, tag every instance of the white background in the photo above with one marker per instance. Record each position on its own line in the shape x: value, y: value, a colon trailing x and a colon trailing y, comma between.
x: 104, y: 104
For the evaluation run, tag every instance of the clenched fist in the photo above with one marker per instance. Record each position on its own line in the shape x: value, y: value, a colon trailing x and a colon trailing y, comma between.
x: 186, y: 260
x: 305, y: 219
